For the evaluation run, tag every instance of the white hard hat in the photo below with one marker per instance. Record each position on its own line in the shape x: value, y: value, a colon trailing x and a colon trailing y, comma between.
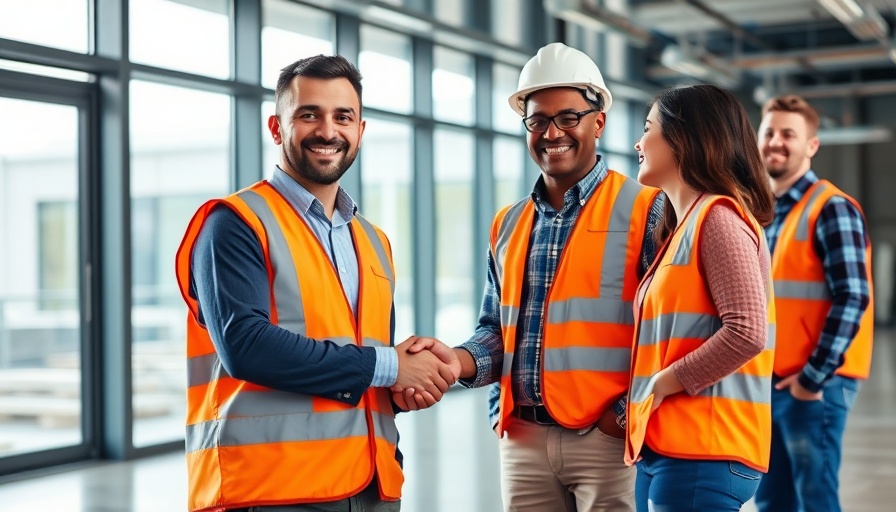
x: 558, y: 65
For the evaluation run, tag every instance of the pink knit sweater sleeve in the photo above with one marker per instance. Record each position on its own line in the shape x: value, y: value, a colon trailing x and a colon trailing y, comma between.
x: 736, y: 268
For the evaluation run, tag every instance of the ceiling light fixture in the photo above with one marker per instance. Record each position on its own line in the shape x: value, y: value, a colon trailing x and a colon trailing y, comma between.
x: 862, y: 20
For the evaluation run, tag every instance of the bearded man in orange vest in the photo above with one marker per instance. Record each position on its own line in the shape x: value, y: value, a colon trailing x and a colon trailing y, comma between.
x: 821, y: 266
x: 556, y: 325
x: 290, y: 327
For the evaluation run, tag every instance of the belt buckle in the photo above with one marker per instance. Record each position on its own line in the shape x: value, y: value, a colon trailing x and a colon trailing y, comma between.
x: 541, y: 415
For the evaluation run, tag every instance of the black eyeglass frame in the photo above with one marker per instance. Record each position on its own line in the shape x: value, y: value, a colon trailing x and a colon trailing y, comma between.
x: 553, y: 119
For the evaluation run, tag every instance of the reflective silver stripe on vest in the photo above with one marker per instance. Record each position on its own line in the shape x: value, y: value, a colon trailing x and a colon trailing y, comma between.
x: 204, y: 369
x: 606, y: 310
x: 379, y: 248
x: 287, y: 292
x: 743, y: 387
x: 677, y: 325
x: 202, y: 436
x: 504, y: 231
x: 682, y: 254
x: 507, y: 366
x: 509, y: 315
x: 372, y: 342
x: 588, y: 358
x: 277, y: 429
x: 642, y: 387
x: 806, y: 290
x: 384, y: 427
x: 737, y: 386
x: 612, y: 275
x: 265, y: 403
x: 802, y: 224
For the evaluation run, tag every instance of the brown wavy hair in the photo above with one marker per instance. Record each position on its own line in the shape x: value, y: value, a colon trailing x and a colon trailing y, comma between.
x: 715, y: 147
x: 793, y: 103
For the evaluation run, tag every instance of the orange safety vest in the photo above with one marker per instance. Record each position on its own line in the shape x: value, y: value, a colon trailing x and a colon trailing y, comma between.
x: 730, y: 420
x: 248, y: 445
x: 802, y: 295
x: 588, y: 322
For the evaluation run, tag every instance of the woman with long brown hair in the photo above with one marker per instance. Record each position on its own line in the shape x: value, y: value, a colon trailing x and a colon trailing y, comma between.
x: 698, y: 411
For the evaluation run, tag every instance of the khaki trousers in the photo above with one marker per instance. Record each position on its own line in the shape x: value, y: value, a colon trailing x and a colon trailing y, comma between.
x: 555, y: 469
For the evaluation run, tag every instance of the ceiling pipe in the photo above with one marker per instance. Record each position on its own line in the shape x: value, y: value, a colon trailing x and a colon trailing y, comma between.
x: 841, y: 56
x: 598, y: 18
x: 728, y: 23
x: 743, y: 34
x: 833, y: 91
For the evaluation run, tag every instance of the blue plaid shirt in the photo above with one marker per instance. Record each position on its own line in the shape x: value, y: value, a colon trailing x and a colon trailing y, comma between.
x: 550, y: 232
x: 840, y: 238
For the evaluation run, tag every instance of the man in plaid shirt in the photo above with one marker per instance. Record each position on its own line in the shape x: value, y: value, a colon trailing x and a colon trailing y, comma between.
x: 556, y: 322
x: 821, y: 267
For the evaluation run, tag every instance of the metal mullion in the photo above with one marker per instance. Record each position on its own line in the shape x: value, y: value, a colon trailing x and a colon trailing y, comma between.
x: 247, y: 127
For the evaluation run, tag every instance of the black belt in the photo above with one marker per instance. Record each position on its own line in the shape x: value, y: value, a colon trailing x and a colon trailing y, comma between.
x: 534, y: 413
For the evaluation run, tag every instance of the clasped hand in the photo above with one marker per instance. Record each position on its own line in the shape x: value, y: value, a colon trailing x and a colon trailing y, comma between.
x: 426, y: 369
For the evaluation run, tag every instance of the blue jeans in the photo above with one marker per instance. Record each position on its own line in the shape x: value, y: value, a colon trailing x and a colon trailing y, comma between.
x: 665, y: 484
x: 807, y: 438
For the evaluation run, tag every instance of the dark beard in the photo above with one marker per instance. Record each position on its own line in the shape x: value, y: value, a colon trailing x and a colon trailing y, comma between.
x: 307, y: 169
x: 777, y: 172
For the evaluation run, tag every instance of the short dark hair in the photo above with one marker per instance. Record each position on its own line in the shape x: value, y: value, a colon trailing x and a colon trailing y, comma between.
x: 327, y: 67
x: 715, y: 147
x: 793, y: 103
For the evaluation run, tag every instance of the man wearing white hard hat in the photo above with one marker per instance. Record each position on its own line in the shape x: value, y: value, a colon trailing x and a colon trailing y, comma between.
x: 556, y: 325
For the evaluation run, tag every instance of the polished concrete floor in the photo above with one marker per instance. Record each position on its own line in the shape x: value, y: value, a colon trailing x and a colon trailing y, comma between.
x: 158, y: 483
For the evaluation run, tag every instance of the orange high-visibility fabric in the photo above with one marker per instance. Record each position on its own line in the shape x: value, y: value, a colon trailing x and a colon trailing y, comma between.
x: 730, y: 420
x: 588, y: 322
x: 248, y: 445
x: 802, y: 295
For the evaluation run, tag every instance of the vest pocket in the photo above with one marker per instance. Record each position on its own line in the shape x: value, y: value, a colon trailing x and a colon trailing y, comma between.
x: 381, y: 283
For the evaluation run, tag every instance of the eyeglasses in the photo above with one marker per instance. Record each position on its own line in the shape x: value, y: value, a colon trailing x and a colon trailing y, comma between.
x: 538, y: 123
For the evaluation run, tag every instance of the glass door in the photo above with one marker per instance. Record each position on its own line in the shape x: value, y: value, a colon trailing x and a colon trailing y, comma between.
x: 45, y: 411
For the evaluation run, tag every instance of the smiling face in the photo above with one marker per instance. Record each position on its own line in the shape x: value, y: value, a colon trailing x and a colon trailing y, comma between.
x: 564, y: 156
x: 786, y: 144
x: 319, y: 129
x: 656, y: 160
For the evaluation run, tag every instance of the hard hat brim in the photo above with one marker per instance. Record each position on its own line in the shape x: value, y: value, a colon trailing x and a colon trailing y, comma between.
x: 517, y: 100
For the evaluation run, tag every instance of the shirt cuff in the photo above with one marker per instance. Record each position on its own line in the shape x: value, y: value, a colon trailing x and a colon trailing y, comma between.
x: 809, y: 384
x: 483, y: 366
x: 385, y: 373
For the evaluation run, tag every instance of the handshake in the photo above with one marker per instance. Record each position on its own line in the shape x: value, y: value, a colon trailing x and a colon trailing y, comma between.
x: 426, y: 369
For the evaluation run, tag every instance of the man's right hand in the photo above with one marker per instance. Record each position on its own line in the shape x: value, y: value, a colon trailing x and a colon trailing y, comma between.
x: 459, y: 359
x: 426, y: 373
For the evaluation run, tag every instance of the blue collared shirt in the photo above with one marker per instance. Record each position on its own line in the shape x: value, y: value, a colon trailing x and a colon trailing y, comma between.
x: 840, y: 238
x: 336, y: 237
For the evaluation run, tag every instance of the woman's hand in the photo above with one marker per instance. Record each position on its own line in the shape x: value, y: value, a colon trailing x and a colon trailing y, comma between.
x: 666, y: 384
